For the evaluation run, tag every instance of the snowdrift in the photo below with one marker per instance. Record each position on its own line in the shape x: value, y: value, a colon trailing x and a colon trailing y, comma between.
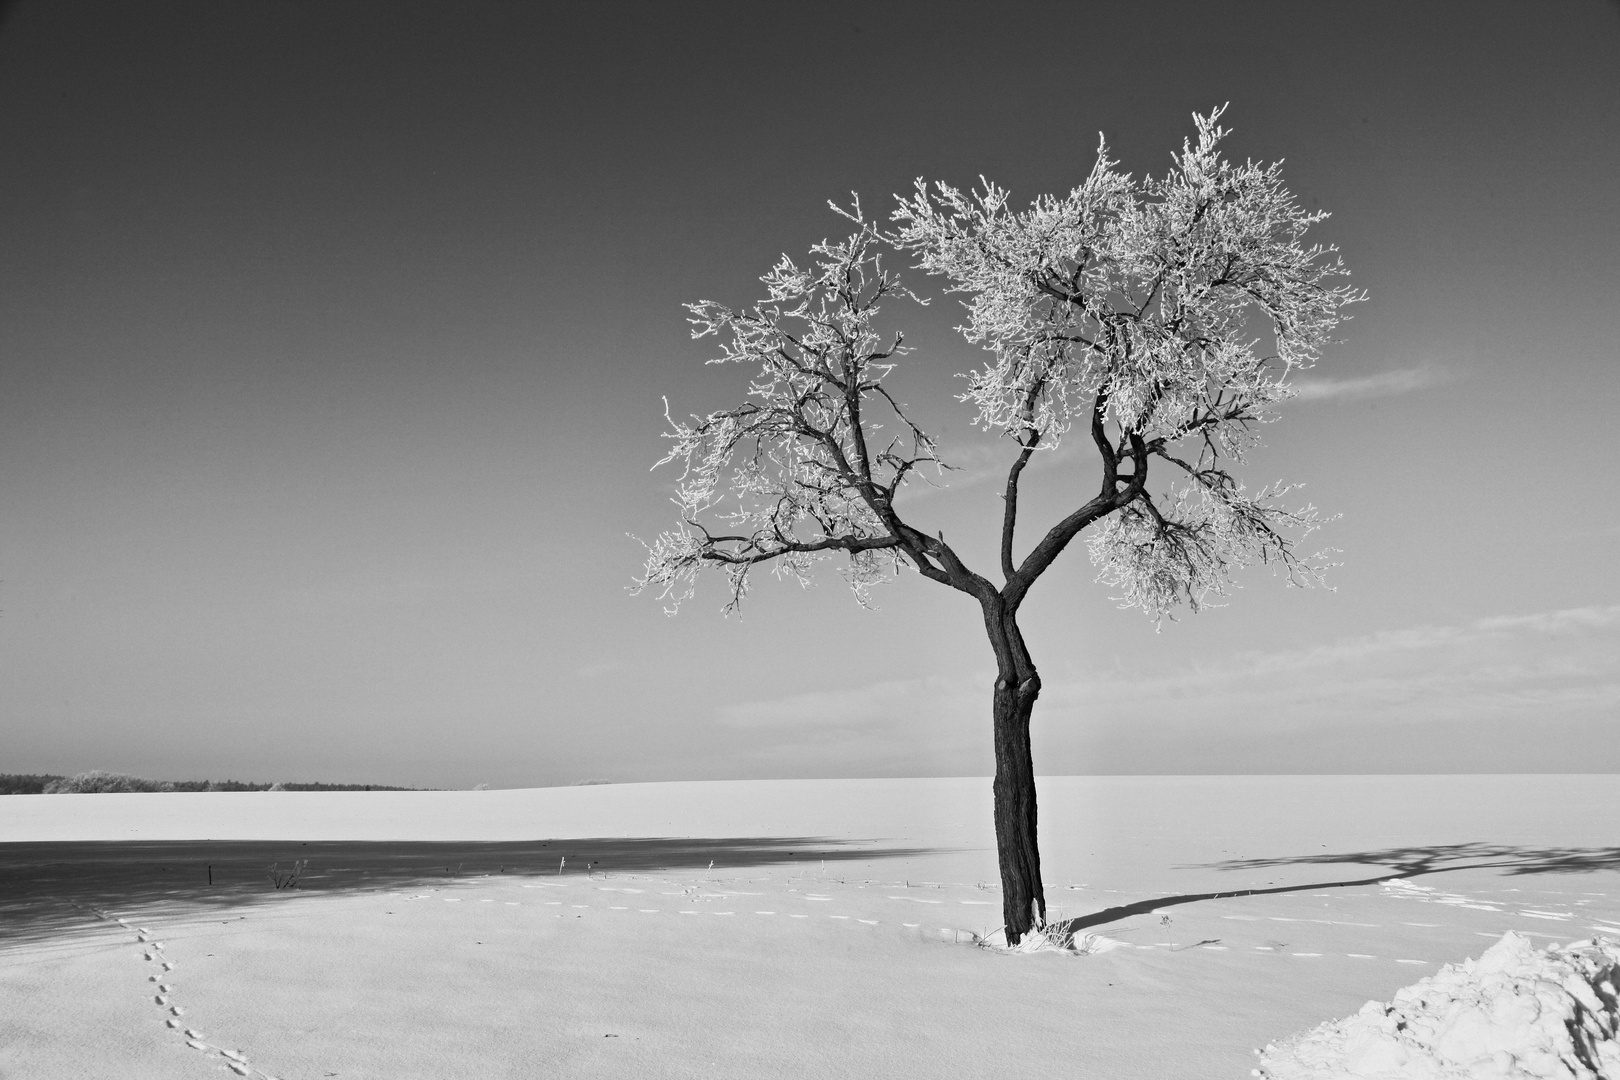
x: 1515, y: 1013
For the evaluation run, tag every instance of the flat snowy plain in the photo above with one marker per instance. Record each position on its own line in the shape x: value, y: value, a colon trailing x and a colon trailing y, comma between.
x: 760, y: 928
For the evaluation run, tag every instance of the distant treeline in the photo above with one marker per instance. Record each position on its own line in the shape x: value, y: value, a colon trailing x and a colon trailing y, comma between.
x: 98, y: 781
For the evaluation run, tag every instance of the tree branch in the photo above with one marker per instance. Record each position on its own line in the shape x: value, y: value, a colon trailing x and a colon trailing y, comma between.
x: 1099, y: 435
x: 759, y: 555
x: 1030, y: 439
x: 1108, y: 500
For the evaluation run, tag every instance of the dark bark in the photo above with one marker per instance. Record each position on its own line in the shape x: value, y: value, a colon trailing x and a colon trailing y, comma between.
x: 1023, y: 899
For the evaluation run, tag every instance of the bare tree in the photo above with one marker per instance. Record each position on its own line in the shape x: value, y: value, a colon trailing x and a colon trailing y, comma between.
x: 1163, y: 316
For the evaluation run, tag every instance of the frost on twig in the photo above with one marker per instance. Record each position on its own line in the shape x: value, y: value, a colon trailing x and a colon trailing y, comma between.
x: 800, y: 471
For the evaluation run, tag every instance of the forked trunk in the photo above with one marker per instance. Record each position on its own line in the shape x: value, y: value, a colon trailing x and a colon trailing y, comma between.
x: 1023, y: 900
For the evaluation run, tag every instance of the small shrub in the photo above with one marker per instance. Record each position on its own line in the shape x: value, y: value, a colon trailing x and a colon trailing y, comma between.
x: 287, y: 879
x: 98, y: 781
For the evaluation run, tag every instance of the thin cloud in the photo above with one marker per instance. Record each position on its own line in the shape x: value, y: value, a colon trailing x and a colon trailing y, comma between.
x: 1384, y: 384
x: 1472, y: 637
x: 871, y: 706
x: 985, y: 460
x: 1548, y: 665
x: 1518, y: 676
x: 982, y: 462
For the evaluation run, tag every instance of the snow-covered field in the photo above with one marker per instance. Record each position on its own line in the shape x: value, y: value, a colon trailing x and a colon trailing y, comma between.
x: 751, y: 929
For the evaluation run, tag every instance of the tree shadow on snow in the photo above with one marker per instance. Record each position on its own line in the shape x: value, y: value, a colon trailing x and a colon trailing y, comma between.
x: 1403, y: 862
x: 49, y: 889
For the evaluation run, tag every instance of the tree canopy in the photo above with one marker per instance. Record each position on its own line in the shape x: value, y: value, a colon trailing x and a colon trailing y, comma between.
x: 1161, y: 315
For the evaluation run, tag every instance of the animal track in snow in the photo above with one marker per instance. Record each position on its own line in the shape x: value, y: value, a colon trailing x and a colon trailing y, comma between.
x: 699, y: 893
x: 151, y: 951
x: 958, y: 935
x: 1428, y: 894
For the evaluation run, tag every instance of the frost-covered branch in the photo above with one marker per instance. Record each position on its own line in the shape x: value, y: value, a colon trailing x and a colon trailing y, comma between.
x: 1158, y: 312
x: 796, y: 474
x: 1183, y: 548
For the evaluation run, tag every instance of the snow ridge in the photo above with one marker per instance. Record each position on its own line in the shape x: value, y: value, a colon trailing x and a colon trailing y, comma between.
x: 1516, y: 1013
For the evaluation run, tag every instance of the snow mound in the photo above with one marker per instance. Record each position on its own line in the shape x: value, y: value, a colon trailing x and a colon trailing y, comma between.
x: 1050, y: 938
x: 1516, y: 1013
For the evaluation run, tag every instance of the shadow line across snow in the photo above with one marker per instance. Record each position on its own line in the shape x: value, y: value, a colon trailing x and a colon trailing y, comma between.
x: 45, y: 887
x: 1401, y: 862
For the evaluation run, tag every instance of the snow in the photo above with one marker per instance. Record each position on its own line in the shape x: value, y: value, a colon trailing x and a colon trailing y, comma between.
x: 763, y: 928
x: 1516, y: 1012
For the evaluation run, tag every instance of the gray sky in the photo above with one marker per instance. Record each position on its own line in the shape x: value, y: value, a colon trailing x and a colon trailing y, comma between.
x: 333, y: 340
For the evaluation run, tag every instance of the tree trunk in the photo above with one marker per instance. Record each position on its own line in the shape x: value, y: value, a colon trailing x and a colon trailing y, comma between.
x: 1023, y: 899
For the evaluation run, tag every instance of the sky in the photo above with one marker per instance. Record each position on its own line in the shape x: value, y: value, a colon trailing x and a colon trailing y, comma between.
x: 335, y: 338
